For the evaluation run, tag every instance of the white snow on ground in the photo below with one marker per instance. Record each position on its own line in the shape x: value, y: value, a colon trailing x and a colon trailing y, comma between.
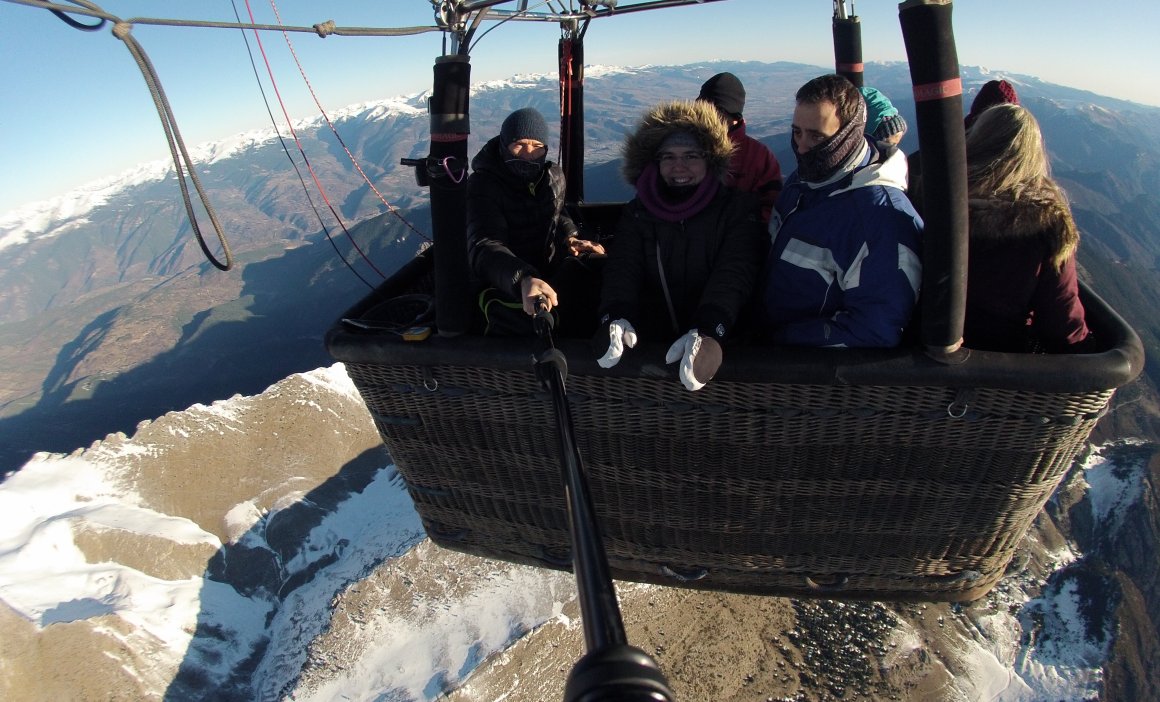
x: 44, y: 575
x: 1112, y: 488
x: 435, y: 647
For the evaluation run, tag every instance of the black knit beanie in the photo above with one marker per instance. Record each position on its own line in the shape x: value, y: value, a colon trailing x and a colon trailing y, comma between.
x: 524, y: 123
x: 726, y: 92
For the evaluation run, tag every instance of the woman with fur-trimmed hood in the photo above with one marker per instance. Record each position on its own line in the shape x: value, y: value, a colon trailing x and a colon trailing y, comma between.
x: 687, y: 250
x: 1022, y: 290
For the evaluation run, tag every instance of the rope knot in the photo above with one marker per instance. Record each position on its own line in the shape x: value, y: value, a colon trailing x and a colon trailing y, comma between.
x: 325, y: 29
x: 122, y: 29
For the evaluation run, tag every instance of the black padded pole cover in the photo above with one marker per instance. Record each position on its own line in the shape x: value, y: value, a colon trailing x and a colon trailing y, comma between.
x: 448, y: 164
x: 848, y: 49
x: 572, y: 117
x: 938, y: 103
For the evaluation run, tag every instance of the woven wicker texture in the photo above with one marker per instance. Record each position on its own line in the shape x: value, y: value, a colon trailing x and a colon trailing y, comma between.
x: 853, y: 491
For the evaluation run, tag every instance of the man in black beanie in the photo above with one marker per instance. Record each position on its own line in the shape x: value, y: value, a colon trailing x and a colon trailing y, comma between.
x: 844, y: 269
x: 753, y: 167
x: 518, y: 234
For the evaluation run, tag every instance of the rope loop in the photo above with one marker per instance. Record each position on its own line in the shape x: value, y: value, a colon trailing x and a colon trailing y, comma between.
x: 121, y: 29
x: 98, y: 15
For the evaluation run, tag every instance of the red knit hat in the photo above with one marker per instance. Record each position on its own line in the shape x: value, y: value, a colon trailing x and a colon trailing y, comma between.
x: 993, y: 92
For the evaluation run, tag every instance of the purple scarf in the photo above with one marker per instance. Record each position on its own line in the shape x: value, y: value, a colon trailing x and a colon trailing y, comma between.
x: 648, y: 191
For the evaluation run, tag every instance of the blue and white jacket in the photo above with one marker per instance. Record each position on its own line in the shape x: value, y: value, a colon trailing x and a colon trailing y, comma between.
x: 844, y: 269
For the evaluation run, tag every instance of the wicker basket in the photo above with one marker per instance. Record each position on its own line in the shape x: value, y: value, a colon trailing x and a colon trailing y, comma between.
x: 874, y: 474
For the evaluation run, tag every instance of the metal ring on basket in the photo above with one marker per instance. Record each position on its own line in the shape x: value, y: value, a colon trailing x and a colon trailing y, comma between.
x: 837, y: 584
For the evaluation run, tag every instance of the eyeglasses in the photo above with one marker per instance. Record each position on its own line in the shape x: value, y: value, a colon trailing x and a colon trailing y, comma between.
x: 687, y: 158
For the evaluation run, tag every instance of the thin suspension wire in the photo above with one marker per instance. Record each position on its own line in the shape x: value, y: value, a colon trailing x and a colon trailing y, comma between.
x: 286, y: 150
x: 322, y: 29
x: 354, y: 161
x: 479, y: 17
x: 301, y: 150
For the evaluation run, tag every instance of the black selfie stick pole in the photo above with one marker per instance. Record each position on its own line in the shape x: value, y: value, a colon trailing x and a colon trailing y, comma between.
x: 611, y: 669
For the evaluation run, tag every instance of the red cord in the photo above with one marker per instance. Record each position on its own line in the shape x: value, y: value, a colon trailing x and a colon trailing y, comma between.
x: 298, y: 143
x: 390, y: 208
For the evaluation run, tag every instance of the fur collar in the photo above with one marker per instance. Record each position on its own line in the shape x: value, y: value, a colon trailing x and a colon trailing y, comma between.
x: 699, y: 117
x: 1030, y: 215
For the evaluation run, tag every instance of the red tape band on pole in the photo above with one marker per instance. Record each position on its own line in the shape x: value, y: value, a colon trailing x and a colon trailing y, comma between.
x: 938, y: 91
x: 445, y: 138
x: 851, y: 67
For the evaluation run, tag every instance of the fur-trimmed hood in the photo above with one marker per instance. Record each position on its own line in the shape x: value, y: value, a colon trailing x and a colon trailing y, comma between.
x: 695, y: 116
x: 1042, y: 216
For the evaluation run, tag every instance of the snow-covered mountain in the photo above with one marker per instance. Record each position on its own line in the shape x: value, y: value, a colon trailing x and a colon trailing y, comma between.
x: 264, y: 548
x: 56, y: 215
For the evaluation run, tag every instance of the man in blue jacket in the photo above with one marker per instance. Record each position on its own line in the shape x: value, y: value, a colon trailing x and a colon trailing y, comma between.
x: 844, y: 269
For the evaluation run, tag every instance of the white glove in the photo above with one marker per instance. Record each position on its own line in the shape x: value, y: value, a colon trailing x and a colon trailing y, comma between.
x: 700, y: 357
x: 620, y: 335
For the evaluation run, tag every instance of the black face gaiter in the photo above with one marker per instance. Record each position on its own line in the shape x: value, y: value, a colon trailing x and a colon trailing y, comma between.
x: 525, y: 170
x: 823, y: 160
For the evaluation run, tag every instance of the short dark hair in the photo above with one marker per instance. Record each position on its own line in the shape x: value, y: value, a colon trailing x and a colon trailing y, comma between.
x: 836, y: 89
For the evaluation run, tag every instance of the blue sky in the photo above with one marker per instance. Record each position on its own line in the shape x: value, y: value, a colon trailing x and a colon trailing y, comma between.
x: 76, y: 108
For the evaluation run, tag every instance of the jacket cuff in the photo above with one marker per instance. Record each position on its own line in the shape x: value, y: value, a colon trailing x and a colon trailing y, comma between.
x: 518, y: 278
x: 712, y: 321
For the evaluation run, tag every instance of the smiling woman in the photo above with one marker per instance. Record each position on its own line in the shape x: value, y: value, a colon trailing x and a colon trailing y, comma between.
x: 686, y: 245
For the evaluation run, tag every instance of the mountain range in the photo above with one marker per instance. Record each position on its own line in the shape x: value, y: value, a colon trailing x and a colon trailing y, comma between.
x: 112, y: 315
x: 112, y: 318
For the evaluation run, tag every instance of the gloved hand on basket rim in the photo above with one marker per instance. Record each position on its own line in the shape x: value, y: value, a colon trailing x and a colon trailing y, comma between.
x: 700, y: 357
x: 621, y: 335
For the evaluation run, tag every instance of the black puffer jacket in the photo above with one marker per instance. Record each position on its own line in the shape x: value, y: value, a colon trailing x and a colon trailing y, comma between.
x: 666, y: 277
x: 710, y: 263
x: 514, y: 228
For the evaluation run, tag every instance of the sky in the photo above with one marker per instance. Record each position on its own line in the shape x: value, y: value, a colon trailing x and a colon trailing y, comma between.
x: 76, y: 108
x: 432, y: 636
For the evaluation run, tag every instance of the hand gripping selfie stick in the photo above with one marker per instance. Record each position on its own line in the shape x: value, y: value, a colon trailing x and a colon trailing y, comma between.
x: 611, y: 670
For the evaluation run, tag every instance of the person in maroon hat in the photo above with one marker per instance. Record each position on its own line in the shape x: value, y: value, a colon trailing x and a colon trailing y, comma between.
x: 993, y: 92
x: 753, y: 168
x: 1022, y: 288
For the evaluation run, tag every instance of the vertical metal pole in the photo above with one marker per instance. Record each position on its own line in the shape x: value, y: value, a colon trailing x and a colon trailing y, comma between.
x: 572, y: 115
x: 448, y: 164
x: 938, y: 102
